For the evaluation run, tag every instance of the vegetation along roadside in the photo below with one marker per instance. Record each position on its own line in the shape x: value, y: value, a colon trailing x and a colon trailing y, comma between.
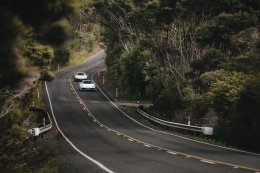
x: 197, y: 59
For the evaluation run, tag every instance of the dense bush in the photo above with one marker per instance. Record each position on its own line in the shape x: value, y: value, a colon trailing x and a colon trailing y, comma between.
x: 191, y: 58
x: 47, y: 75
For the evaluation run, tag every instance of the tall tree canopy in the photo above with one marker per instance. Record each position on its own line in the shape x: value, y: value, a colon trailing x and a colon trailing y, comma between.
x: 191, y: 57
x: 41, y: 21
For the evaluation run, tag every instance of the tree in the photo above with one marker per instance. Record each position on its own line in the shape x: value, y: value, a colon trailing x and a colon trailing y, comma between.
x: 246, y: 120
x: 132, y: 72
x: 28, y: 19
x: 218, y: 31
x: 211, y: 60
x: 39, y: 55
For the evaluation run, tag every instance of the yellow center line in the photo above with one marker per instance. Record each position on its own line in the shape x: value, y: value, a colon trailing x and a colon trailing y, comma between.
x: 165, y: 149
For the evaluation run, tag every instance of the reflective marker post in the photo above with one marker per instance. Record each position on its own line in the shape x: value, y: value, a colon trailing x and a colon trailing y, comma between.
x: 116, y: 92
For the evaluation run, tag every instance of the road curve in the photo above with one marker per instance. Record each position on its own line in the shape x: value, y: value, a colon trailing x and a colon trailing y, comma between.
x: 103, y: 139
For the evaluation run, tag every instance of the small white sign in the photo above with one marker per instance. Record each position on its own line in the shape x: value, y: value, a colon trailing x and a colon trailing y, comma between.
x: 33, y: 132
x: 208, y: 130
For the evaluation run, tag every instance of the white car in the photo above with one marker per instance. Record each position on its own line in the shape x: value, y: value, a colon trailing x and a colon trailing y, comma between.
x: 87, y: 85
x: 79, y: 76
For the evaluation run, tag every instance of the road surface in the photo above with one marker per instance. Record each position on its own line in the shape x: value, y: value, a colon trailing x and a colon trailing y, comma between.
x: 95, y: 136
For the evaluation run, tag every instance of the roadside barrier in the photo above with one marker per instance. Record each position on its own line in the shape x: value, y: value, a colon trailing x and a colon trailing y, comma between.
x: 204, y: 130
x: 37, y: 131
x: 48, y: 126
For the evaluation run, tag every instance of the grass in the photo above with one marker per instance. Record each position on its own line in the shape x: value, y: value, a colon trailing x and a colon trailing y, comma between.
x: 78, y: 57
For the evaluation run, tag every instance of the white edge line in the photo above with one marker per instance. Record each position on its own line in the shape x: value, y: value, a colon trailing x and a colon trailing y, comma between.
x: 227, y: 148
x: 100, y: 165
x: 206, y: 161
x: 171, y: 152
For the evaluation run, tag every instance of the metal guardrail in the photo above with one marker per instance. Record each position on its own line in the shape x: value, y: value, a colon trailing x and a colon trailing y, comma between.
x: 204, y: 130
x: 48, y: 126
x: 45, y: 128
x: 37, y: 131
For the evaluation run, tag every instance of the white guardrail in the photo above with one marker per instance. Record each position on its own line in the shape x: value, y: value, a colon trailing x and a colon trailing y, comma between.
x: 37, y: 131
x: 204, y: 130
x: 48, y: 126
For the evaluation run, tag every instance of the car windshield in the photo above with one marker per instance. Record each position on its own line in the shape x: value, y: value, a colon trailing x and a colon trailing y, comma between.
x: 81, y: 74
x: 86, y: 81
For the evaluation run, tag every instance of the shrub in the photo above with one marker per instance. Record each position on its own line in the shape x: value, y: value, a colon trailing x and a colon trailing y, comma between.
x: 47, y: 75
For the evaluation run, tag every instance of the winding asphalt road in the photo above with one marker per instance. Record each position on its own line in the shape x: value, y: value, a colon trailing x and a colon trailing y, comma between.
x: 95, y: 136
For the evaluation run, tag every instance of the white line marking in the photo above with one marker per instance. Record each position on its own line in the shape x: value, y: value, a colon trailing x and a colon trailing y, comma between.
x: 100, y: 165
x: 146, y: 145
x: 207, y: 161
x: 227, y: 148
x: 164, y: 131
x: 118, y: 134
x: 235, y: 167
x: 130, y: 139
x: 171, y: 152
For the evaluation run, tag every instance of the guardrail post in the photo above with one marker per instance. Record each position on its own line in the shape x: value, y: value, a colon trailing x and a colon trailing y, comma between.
x: 189, y: 120
x: 33, y: 104
x: 103, y: 80
x: 43, y: 122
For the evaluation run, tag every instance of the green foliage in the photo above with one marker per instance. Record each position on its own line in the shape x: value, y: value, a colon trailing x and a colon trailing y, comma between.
x: 219, y: 30
x: 39, y: 55
x: 17, y: 133
x: 47, y: 75
x: 62, y: 56
x: 243, y: 120
x: 168, y: 101
x: 131, y: 69
x: 37, y: 21
x: 12, y: 67
x: 210, y: 60
x: 58, y: 33
x: 14, y: 117
x: 191, y: 57
x: 225, y: 92
x: 195, y: 103
x: 246, y: 117
x: 204, y: 82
